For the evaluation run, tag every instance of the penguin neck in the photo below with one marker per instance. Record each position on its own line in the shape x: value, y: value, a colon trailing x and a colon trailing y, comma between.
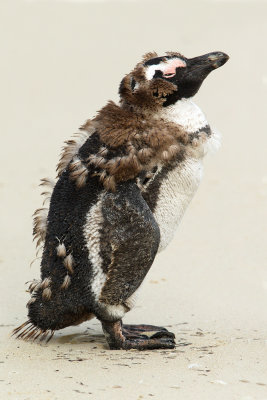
x: 186, y: 114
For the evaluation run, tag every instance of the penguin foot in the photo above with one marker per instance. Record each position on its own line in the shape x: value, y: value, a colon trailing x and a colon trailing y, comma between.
x: 146, y: 331
x: 140, y: 337
x: 144, y: 337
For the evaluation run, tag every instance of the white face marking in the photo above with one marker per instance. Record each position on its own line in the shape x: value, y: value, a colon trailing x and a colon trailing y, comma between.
x: 168, y: 68
x: 94, y: 220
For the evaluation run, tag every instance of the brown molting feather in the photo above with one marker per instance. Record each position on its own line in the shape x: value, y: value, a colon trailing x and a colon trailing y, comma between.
x: 148, y: 56
x: 19, y: 328
x: 40, y: 225
x: 28, y: 331
x: 34, y: 285
x: 75, y: 164
x: 134, y: 138
x: 110, y: 183
x: 45, y: 283
x: 31, y: 301
x: 88, y: 126
x: 78, y: 172
x: 174, y: 54
x: 102, y: 176
x: 162, y: 88
x: 97, y: 160
x: 66, y: 282
x: 145, y: 140
x: 73, y: 145
x: 68, y: 262
x: 36, y: 258
x: 149, y: 94
x: 145, y: 154
x: 47, y: 293
x: 47, y: 197
x: 61, y: 250
x: 47, y: 182
x: 81, y: 179
x: 103, y: 151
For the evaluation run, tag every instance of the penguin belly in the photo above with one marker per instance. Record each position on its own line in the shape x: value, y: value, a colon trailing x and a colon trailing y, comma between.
x: 175, y: 193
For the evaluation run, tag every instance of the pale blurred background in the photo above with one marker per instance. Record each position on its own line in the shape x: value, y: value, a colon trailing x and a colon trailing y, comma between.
x: 60, y: 62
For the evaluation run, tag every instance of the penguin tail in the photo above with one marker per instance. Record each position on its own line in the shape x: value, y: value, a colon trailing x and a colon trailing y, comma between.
x: 29, y: 331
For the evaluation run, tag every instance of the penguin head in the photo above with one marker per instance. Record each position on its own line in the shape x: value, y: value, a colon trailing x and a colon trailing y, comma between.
x: 162, y: 81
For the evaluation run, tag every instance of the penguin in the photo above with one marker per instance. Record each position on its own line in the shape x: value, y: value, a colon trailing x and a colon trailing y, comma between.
x: 124, y: 182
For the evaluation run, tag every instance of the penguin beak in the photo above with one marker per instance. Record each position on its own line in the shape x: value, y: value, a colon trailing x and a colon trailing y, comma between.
x: 217, y: 59
x: 190, y: 79
x: 200, y: 67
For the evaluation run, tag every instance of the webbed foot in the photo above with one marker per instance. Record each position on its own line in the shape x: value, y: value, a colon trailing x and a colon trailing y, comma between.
x: 140, y: 337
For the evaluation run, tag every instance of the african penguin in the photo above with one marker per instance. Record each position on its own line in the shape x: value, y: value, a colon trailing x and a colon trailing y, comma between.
x: 123, y: 185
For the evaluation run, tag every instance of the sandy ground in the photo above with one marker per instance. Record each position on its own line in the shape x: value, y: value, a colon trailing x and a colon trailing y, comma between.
x: 60, y: 62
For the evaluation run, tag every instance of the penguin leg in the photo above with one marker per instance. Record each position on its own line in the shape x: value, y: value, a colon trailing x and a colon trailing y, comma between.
x: 133, y: 234
x: 118, y: 338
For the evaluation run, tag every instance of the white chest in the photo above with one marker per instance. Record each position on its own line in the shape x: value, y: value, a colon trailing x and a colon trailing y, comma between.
x: 180, y: 184
x: 176, y: 192
x: 185, y: 113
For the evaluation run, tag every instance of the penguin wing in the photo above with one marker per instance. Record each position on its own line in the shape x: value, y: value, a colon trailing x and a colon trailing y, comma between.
x: 132, y: 235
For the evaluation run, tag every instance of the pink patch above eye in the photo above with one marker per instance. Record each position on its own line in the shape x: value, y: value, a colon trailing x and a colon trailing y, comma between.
x: 170, y: 70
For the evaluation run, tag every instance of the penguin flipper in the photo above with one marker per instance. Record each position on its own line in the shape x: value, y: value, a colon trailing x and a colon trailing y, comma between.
x: 132, y: 235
